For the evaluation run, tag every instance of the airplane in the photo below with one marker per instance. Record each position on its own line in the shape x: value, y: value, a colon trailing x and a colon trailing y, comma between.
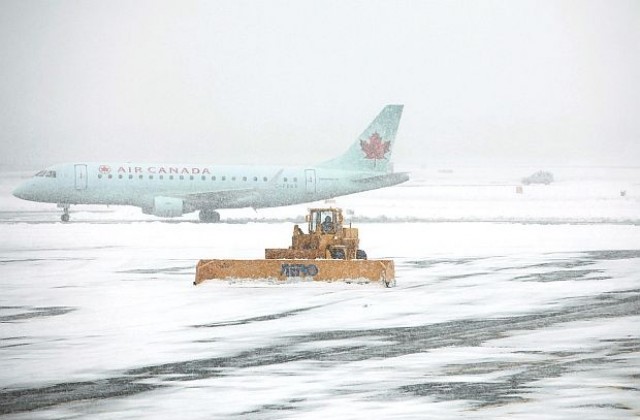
x: 171, y: 190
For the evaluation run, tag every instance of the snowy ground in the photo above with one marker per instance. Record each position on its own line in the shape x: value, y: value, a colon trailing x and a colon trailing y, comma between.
x: 506, y: 305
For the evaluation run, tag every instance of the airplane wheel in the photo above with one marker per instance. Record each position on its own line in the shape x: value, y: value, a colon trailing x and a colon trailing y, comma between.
x: 337, y: 254
x: 209, y: 216
x: 64, y: 217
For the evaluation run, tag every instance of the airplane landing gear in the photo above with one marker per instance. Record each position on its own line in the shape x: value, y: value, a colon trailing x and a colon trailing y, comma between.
x: 209, y: 216
x: 65, y: 214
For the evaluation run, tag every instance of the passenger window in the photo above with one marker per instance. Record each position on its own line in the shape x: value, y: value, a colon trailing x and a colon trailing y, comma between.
x: 181, y: 176
x: 224, y: 178
x: 255, y: 178
x: 244, y: 178
x: 264, y: 179
x: 150, y: 176
x: 110, y: 176
x: 191, y: 177
x: 120, y: 176
x: 140, y: 176
x: 161, y: 177
x: 170, y: 176
x: 204, y: 178
x: 213, y: 178
x: 99, y: 176
x: 130, y: 176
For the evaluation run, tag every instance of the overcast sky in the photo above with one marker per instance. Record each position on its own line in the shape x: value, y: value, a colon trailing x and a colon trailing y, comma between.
x: 483, y: 82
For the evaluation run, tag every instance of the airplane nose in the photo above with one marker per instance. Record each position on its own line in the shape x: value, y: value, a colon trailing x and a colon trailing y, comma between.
x: 17, y: 192
x: 21, y: 192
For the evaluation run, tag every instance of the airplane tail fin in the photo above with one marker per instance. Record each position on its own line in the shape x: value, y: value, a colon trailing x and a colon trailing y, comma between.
x: 372, y: 150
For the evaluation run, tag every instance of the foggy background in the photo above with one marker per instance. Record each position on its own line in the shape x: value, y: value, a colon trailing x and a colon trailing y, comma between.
x: 287, y: 82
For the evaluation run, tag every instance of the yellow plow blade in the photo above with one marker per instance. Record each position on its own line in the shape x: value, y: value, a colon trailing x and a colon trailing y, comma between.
x: 360, y: 271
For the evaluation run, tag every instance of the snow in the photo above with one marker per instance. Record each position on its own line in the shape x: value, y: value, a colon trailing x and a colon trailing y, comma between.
x: 506, y: 305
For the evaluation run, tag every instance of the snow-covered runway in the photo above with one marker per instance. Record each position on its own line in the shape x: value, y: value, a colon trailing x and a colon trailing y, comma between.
x: 520, y: 320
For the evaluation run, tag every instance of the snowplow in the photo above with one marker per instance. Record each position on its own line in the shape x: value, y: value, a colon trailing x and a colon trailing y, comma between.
x: 328, y: 251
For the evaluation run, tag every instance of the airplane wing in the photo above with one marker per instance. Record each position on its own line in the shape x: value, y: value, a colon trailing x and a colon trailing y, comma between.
x: 391, y: 178
x: 236, y: 197
x: 223, y: 198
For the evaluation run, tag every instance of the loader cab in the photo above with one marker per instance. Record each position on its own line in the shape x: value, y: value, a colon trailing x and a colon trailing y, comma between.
x: 324, y: 221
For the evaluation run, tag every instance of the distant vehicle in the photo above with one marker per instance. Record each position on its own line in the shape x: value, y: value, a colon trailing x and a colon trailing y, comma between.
x: 171, y: 190
x: 540, y: 177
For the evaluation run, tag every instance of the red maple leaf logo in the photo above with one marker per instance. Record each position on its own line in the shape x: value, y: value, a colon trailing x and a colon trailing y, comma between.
x: 104, y: 169
x: 375, y: 148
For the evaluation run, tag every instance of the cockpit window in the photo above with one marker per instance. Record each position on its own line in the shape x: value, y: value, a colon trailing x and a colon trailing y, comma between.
x: 47, y: 174
x: 41, y: 173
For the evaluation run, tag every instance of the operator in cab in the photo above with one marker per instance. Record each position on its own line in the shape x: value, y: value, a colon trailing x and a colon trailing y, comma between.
x: 327, y: 225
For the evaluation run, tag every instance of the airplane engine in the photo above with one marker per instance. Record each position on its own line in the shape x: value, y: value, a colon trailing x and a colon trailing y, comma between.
x: 167, y: 207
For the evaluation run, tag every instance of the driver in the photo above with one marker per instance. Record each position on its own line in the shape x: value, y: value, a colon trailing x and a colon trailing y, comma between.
x: 327, y: 225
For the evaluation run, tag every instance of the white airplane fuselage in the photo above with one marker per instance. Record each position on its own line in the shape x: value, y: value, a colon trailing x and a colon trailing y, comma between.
x: 170, y: 190
x: 139, y: 184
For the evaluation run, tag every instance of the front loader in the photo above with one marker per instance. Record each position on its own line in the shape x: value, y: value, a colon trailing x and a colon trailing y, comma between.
x: 329, y: 251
